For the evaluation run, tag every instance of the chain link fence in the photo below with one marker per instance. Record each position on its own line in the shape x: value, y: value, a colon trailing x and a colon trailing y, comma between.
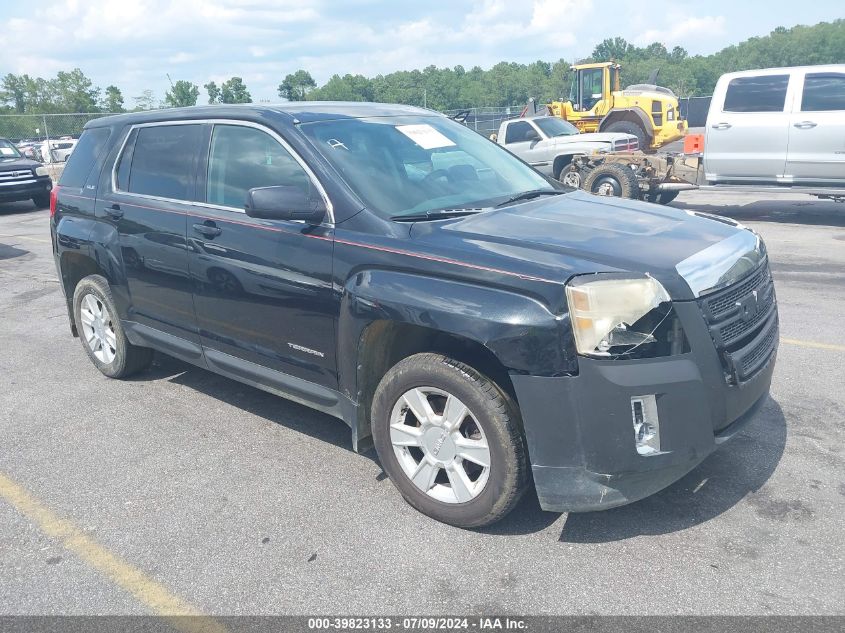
x: 48, y: 138
x: 485, y: 121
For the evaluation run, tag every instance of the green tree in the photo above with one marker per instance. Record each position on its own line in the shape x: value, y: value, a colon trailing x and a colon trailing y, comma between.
x: 611, y: 48
x: 234, y: 91
x: 113, y: 100
x: 74, y: 92
x: 296, y: 86
x: 13, y: 91
x: 182, y: 93
x: 213, y: 92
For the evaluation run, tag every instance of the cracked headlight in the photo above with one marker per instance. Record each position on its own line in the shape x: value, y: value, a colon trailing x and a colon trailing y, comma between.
x: 623, y: 318
x: 41, y: 171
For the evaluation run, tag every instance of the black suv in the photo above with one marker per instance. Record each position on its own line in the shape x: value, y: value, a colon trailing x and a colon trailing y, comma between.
x: 481, y: 325
x: 22, y: 178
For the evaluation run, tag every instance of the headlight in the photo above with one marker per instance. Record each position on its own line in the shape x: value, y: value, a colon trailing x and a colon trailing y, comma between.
x: 670, y: 115
x: 623, y: 318
x: 41, y: 171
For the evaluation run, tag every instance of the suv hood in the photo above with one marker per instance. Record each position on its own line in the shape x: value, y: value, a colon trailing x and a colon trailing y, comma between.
x: 579, y: 233
x: 9, y: 163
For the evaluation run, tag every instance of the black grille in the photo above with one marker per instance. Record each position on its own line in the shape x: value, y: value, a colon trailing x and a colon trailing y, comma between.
x: 725, y: 300
x: 742, y: 320
x: 760, y: 351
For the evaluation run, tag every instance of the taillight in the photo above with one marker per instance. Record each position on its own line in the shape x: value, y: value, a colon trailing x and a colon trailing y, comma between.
x: 54, y: 193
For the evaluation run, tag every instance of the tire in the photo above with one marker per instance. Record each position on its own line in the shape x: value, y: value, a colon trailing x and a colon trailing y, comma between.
x: 102, y: 336
x: 483, y: 495
x: 613, y: 179
x: 571, y: 176
x: 42, y: 200
x: 627, y: 127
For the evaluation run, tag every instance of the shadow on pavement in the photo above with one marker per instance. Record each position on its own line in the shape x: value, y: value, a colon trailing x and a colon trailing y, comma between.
x: 738, y: 468
x: 810, y: 212
x: 252, y: 400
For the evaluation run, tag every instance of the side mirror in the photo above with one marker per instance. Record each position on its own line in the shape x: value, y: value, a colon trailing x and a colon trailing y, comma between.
x: 285, y: 203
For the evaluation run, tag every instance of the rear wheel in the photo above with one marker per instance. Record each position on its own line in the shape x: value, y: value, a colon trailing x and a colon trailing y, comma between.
x: 450, y: 440
x: 101, y: 332
x: 613, y: 179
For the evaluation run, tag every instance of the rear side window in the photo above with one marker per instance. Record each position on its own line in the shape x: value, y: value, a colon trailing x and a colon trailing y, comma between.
x: 163, y: 161
x: 81, y: 161
x: 823, y: 92
x: 242, y: 158
x: 766, y: 93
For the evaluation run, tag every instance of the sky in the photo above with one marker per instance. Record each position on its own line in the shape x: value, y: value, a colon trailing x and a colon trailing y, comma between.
x: 134, y: 44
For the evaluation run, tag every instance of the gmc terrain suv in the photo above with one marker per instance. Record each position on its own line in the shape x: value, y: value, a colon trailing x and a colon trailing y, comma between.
x: 479, y: 323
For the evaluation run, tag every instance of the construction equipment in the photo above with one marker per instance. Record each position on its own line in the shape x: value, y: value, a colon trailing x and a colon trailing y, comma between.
x: 597, y: 104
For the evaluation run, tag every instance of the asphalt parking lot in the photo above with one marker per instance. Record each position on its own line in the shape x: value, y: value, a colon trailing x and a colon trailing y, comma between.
x: 181, y: 490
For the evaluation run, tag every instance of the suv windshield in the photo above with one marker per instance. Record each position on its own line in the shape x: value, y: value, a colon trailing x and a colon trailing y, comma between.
x: 413, y: 164
x: 552, y: 127
x: 8, y: 150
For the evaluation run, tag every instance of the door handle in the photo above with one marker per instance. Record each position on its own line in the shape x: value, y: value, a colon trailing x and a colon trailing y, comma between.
x: 805, y: 125
x: 208, y: 230
x: 720, y: 126
x: 114, y: 211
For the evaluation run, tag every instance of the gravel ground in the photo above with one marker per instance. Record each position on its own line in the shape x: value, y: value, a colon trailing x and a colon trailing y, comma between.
x: 237, y: 502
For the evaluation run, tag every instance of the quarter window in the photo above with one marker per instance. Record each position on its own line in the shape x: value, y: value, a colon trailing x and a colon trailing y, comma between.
x: 766, y: 93
x: 82, y: 160
x: 243, y: 158
x: 823, y: 92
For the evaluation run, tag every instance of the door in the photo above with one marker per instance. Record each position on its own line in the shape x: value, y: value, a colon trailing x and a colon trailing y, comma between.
x: 817, y: 131
x: 262, y: 288
x: 521, y: 138
x: 747, y: 139
x: 151, y: 192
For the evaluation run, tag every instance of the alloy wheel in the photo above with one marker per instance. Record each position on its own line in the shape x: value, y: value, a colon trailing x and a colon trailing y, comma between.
x: 97, y: 328
x: 440, y: 445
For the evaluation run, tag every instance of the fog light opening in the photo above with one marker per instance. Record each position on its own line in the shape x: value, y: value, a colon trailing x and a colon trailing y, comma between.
x: 646, y: 424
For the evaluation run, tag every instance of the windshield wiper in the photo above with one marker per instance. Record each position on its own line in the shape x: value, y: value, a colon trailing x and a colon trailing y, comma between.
x: 436, y: 214
x: 528, y: 195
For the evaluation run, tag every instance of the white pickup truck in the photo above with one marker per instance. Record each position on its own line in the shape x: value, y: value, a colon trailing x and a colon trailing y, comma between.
x: 770, y: 130
x: 548, y: 144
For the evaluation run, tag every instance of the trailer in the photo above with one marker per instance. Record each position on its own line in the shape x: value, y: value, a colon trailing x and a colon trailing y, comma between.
x: 661, y: 177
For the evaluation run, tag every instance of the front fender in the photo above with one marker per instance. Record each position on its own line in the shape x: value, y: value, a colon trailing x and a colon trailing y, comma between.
x: 518, y: 330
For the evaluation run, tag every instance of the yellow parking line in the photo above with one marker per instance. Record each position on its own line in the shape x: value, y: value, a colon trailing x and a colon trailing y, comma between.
x: 813, y: 344
x: 149, y: 592
x: 24, y: 237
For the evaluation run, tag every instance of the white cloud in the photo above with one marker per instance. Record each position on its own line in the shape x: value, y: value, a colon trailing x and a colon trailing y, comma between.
x: 683, y: 31
x: 133, y: 43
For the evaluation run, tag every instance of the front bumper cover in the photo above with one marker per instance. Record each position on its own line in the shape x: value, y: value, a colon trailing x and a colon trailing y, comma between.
x: 580, y: 433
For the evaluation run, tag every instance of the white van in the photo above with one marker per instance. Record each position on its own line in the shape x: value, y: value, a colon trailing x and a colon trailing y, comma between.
x: 778, y: 126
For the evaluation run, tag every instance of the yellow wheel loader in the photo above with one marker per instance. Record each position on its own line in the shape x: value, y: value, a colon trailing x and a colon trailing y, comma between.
x: 597, y: 104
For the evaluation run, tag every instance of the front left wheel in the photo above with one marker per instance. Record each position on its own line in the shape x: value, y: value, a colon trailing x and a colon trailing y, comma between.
x: 450, y: 440
x: 101, y: 332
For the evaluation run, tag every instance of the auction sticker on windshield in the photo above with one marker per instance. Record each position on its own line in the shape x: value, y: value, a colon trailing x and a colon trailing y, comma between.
x: 425, y: 136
